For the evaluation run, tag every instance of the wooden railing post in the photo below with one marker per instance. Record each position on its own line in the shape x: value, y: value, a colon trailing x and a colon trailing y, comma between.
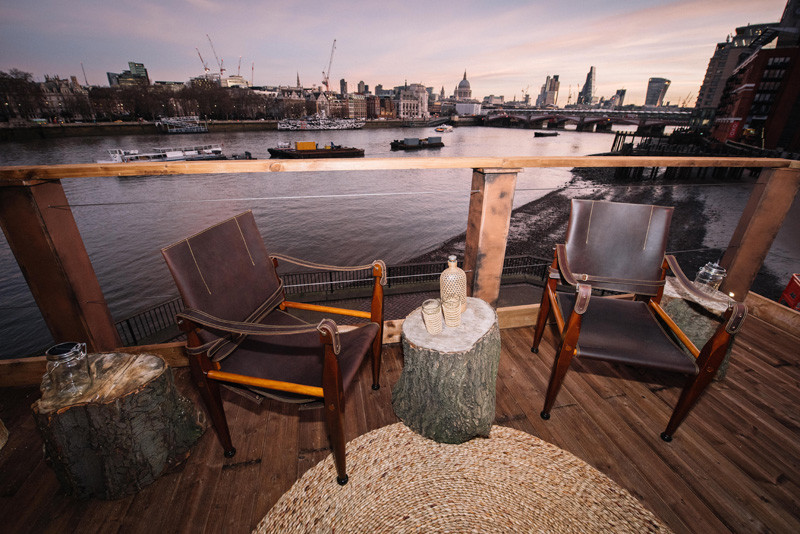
x: 45, y: 240
x: 763, y: 216
x: 488, y: 222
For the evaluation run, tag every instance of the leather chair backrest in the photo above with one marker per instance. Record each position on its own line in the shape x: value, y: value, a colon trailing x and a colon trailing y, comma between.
x: 623, y: 242
x: 224, y: 270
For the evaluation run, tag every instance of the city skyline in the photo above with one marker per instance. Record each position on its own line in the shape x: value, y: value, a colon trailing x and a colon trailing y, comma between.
x: 506, y: 47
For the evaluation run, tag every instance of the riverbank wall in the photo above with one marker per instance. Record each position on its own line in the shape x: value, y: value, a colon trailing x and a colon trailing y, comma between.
x: 98, y: 129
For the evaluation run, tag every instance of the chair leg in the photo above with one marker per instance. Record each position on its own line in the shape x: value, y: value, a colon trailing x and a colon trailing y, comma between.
x: 209, y: 391
x: 689, y: 397
x: 541, y: 321
x: 377, y: 354
x: 334, y: 412
x: 569, y: 342
x: 560, y: 368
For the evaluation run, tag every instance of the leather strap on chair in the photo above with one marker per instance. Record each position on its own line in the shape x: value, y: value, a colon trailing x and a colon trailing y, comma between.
x: 643, y: 286
x: 254, y: 329
x: 324, y: 267
x: 737, y: 317
x: 582, y: 298
x: 327, y: 326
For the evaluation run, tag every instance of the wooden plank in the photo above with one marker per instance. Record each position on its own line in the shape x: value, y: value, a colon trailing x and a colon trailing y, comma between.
x: 518, y: 316
x: 773, y: 313
x: 32, y: 174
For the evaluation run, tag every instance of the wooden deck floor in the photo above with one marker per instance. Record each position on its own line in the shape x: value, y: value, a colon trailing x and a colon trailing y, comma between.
x: 734, y: 464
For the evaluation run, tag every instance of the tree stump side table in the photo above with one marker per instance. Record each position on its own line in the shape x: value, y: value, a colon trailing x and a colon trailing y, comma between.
x: 447, y: 389
x: 123, y: 432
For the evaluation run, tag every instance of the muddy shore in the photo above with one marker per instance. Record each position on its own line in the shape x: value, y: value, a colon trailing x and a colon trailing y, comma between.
x: 537, y: 226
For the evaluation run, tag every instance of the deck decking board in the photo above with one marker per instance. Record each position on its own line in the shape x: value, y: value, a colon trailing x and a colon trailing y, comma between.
x: 734, y: 465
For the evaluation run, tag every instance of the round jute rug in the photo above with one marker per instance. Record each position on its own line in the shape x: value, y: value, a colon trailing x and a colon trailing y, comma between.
x: 509, y: 482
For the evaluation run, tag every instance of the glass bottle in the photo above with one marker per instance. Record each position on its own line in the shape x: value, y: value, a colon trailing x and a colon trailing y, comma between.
x: 453, y: 283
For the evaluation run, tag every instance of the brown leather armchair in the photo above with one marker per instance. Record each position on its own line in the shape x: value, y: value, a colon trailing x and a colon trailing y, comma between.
x: 620, y: 248
x: 240, y: 333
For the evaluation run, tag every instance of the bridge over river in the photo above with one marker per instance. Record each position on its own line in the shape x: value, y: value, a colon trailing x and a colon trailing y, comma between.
x: 647, y: 122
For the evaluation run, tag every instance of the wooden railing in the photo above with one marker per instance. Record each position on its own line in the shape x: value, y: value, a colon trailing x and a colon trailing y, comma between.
x: 41, y: 230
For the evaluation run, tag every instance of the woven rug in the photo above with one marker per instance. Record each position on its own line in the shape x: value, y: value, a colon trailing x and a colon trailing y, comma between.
x: 510, y: 482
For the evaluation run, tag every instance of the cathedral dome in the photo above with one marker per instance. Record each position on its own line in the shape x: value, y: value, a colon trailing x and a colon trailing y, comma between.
x: 463, y: 89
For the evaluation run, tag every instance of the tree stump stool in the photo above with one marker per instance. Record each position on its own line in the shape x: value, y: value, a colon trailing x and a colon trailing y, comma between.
x: 447, y: 389
x: 123, y: 432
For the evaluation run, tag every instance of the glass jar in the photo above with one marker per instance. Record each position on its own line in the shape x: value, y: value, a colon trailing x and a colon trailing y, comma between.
x: 67, y: 370
x: 709, y: 277
x: 453, y: 283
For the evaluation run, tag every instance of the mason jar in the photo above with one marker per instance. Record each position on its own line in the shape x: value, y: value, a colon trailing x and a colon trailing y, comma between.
x: 68, y: 369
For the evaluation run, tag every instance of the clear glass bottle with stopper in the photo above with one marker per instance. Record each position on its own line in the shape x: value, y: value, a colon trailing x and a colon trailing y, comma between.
x: 453, y: 283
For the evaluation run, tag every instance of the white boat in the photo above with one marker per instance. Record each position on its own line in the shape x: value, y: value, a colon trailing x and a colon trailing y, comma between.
x: 320, y: 123
x: 191, y: 153
x: 179, y: 125
x: 446, y: 128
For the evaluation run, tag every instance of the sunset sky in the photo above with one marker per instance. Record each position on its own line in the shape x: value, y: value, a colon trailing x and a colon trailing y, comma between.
x: 505, y: 46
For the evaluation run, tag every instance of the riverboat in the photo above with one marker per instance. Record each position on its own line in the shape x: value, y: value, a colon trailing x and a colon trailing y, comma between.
x: 444, y: 128
x: 545, y: 134
x: 320, y: 123
x: 310, y: 150
x: 181, y: 125
x: 190, y: 153
x: 417, y: 143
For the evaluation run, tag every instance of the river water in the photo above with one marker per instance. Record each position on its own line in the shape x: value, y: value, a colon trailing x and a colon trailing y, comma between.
x: 332, y: 217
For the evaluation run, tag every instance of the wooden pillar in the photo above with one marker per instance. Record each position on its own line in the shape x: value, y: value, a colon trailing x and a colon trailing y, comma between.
x: 45, y: 240
x: 769, y: 203
x: 487, y: 230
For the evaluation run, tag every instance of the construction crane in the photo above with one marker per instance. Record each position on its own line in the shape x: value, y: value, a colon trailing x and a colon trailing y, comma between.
x: 219, y: 63
x: 203, y: 61
x: 84, y: 75
x: 252, y: 73
x: 326, y: 74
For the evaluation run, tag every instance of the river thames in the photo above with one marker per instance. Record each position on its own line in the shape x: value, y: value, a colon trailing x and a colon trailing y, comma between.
x: 334, y: 217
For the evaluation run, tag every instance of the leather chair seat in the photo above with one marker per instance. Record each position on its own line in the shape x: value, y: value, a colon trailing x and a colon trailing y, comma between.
x: 296, y: 359
x: 637, y: 340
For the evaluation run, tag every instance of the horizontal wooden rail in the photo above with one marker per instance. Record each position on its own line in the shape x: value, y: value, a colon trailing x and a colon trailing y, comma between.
x: 26, y: 175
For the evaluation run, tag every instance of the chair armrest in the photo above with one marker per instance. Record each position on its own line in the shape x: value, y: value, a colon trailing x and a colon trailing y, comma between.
x: 256, y: 329
x: 739, y: 309
x: 378, y: 266
x: 325, y: 309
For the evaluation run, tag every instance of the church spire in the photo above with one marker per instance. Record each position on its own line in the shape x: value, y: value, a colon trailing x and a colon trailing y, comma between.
x: 465, y: 74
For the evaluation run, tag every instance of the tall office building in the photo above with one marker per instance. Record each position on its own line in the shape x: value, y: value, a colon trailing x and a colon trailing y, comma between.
x: 549, y: 93
x: 343, y: 86
x: 727, y: 56
x: 586, y: 95
x: 135, y: 75
x: 656, y: 89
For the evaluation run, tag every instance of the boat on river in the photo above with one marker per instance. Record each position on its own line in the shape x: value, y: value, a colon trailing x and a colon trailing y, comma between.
x: 444, y: 128
x: 320, y: 123
x: 187, y: 153
x: 545, y: 134
x: 181, y: 125
x: 417, y: 143
x: 310, y: 150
